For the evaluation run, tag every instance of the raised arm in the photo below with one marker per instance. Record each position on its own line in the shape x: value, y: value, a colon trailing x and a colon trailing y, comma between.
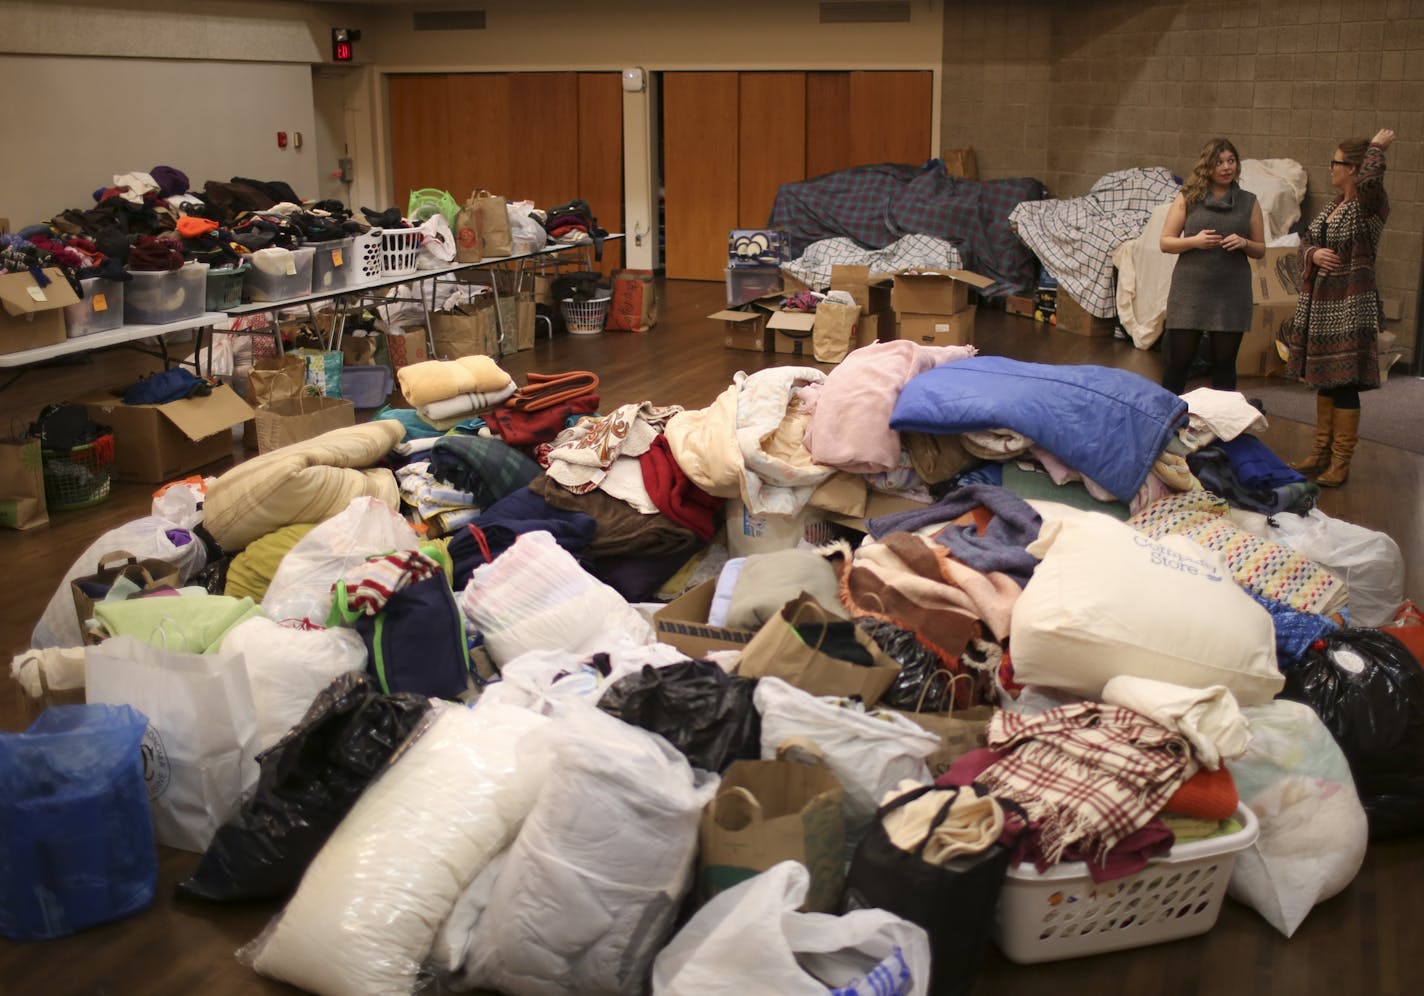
x: 1369, y: 187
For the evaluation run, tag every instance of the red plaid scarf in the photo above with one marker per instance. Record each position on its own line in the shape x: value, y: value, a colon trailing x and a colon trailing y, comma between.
x: 1087, y: 774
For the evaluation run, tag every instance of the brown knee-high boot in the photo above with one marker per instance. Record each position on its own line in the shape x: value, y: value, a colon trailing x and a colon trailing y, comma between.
x: 1319, y: 457
x: 1342, y: 448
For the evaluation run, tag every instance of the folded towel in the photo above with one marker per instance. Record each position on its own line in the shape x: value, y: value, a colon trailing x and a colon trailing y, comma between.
x: 436, y: 380
x: 462, y: 405
x: 546, y: 390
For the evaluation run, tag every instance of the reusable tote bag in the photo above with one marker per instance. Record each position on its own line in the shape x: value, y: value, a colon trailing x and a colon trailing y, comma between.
x: 200, y: 746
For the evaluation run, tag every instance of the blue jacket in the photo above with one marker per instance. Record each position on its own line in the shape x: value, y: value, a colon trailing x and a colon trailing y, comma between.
x: 1110, y: 425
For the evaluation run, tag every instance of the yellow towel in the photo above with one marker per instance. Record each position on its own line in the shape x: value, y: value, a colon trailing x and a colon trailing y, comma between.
x: 437, y: 380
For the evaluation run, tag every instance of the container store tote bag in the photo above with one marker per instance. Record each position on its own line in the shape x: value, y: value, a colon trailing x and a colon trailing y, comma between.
x: 199, y: 751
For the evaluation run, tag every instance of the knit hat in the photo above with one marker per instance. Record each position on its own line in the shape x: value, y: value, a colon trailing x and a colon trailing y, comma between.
x: 190, y: 227
x: 171, y: 182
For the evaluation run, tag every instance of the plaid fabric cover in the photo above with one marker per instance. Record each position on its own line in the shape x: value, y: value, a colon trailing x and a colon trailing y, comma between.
x: 1261, y: 566
x: 1075, y: 238
x: 876, y: 205
x: 1087, y: 774
x: 813, y: 267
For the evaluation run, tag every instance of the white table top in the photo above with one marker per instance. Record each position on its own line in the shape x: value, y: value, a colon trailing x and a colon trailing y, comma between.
x: 113, y: 337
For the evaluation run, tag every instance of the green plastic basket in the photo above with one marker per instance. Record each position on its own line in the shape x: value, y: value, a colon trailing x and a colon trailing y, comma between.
x: 80, y: 476
x: 430, y: 201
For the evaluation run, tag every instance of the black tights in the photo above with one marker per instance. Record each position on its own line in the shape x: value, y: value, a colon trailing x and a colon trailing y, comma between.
x: 1180, y: 347
x: 1347, y: 396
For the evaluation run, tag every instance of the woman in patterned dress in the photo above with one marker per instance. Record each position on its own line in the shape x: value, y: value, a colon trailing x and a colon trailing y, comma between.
x: 1333, y: 341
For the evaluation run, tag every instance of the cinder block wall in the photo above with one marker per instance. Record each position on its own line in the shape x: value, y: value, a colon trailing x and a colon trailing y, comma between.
x: 1069, y: 91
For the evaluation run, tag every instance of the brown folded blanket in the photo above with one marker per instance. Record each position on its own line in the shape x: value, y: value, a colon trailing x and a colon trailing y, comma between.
x: 546, y: 390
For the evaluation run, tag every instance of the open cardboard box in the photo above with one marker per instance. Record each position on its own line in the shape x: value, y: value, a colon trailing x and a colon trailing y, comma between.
x: 745, y: 328
x: 934, y: 292
x: 683, y: 624
x: 1275, y: 279
x: 157, y: 443
x: 32, y: 316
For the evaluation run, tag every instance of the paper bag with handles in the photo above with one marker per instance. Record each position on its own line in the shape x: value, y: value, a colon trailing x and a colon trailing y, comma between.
x: 766, y: 812
x: 494, y: 223
x: 778, y: 650
x: 959, y: 730
x: 148, y: 574
x: 465, y: 330
x: 22, y: 494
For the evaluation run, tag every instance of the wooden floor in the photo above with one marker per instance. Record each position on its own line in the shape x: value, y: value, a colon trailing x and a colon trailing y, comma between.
x: 1355, y: 943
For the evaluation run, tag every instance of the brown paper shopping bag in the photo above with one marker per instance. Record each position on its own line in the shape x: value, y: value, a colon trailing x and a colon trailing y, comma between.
x: 465, y: 330
x: 766, y: 812
x: 959, y: 730
x: 22, y: 494
x: 282, y: 423
x: 635, y: 302
x: 148, y: 573
x: 778, y: 651
x: 494, y: 222
x: 833, y: 335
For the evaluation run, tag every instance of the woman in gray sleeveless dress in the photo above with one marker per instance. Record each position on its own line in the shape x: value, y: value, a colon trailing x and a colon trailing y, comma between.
x: 1212, y: 226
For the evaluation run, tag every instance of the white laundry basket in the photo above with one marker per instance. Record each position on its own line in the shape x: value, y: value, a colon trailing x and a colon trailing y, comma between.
x: 400, y: 248
x: 366, y: 249
x: 1062, y: 913
x: 585, y: 317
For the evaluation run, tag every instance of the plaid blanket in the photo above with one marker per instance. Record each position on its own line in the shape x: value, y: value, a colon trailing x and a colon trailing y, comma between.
x: 1088, y: 774
x: 876, y: 205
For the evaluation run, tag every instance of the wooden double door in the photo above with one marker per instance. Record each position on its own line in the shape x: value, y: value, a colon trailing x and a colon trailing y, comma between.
x: 731, y: 138
x: 544, y: 137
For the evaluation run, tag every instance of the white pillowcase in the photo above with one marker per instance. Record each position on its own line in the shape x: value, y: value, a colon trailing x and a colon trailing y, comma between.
x: 1107, y: 600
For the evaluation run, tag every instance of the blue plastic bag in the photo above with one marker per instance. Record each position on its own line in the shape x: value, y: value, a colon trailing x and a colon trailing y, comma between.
x: 76, y: 835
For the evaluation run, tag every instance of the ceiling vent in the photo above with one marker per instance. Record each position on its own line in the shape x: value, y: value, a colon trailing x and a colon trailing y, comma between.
x: 864, y: 11
x: 448, y: 20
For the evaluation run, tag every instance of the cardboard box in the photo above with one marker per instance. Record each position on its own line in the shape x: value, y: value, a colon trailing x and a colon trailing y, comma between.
x: 791, y: 332
x: 154, y: 444
x: 1275, y: 279
x: 33, y: 316
x: 683, y: 624
x: 871, y: 291
x: 744, y: 329
x: 1020, y: 304
x: 1070, y: 317
x: 875, y: 328
x: 937, y: 330
x: 934, y: 292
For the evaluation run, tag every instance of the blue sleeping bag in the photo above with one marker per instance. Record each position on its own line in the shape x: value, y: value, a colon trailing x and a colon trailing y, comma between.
x: 1110, y: 425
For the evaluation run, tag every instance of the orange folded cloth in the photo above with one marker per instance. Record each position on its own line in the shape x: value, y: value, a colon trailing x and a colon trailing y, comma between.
x: 1208, y: 795
x: 547, y: 390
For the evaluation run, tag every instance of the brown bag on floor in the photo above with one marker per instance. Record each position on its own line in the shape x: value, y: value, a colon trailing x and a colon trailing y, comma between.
x: 22, y: 494
x: 779, y: 651
x: 833, y: 335
x: 959, y: 730
x: 465, y: 330
x: 524, y: 305
x: 494, y: 223
x: 635, y: 302
x: 276, y: 378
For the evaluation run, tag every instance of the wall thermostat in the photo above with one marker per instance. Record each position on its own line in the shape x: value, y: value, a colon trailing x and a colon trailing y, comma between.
x: 634, y: 79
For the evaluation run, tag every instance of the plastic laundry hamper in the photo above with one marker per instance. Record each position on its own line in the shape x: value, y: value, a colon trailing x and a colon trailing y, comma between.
x: 1062, y: 913
x: 400, y: 248
x: 366, y: 254
x: 585, y: 317
x: 80, y: 476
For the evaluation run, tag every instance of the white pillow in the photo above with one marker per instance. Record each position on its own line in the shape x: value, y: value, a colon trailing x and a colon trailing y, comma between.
x: 366, y: 913
x: 1106, y: 600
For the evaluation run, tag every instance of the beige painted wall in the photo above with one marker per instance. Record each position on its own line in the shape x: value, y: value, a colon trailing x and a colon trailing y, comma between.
x: 1067, y: 93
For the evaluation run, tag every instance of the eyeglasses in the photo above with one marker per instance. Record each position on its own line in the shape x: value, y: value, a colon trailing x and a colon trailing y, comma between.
x: 1340, y: 162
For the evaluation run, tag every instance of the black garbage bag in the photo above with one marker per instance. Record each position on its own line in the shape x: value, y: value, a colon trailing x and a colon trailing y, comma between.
x: 309, y: 780
x: 1369, y: 691
x: 703, y: 711
x: 914, y: 689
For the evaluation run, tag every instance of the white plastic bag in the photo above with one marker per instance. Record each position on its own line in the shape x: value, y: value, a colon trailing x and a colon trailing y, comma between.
x: 871, y: 753
x: 301, y: 588
x: 1313, y: 828
x: 1368, y: 561
x: 287, y: 668
x: 368, y: 908
x: 181, y: 502
x: 751, y: 939
x: 539, y: 678
x: 437, y: 243
x: 146, y: 537
x: 199, y: 748
x: 594, y: 881
x: 525, y: 232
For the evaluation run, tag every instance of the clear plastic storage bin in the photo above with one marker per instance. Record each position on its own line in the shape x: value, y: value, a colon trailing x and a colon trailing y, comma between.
x: 101, y: 309
x: 156, y: 297
x: 335, y: 266
x: 1062, y: 913
x: 749, y: 283
x: 225, y: 287
x: 264, y: 286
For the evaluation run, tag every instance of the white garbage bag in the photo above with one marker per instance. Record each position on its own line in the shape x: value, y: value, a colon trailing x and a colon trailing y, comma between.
x: 751, y: 939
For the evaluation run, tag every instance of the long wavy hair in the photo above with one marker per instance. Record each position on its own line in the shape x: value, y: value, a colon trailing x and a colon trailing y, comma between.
x: 1199, y: 182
